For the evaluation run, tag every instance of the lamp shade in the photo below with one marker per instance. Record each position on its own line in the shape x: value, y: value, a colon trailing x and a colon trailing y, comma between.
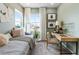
x: 57, y: 22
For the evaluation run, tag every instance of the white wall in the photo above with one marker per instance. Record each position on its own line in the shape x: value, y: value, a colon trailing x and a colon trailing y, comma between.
x: 69, y: 13
x: 51, y: 10
x: 7, y: 26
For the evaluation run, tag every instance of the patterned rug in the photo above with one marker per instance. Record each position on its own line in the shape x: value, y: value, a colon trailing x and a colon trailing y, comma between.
x: 41, y: 49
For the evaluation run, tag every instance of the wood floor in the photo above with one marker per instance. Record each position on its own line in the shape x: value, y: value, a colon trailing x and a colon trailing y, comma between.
x: 52, y: 49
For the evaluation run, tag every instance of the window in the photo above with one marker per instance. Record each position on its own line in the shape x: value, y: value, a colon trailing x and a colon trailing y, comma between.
x: 34, y: 20
x: 35, y: 15
x: 18, y: 19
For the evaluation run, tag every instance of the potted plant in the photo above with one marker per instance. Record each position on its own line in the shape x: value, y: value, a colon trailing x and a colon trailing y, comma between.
x: 36, y: 33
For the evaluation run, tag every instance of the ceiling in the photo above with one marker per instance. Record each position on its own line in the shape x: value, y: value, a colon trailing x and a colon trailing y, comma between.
x: 36, y: 5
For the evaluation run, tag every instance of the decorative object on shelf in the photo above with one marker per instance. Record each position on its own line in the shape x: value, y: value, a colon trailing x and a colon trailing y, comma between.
x: 3, y: 13
x: 6, y: 13
x: 57, y: 26
x: 57, y: 23
x: 52, y: 16
x: 51, y: 24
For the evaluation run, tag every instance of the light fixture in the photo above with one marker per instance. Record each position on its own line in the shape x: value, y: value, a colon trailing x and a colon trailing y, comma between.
x: 57, y: 22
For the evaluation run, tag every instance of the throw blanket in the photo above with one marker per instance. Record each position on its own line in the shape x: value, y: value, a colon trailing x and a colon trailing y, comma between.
x: 26, y: 39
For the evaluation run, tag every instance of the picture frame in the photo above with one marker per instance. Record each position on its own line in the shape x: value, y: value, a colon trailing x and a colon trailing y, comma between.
x: 52, y: 16
x: 51, y: 24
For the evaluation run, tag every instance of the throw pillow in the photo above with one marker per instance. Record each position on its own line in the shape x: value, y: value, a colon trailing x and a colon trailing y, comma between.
x: 2, y: 40
x: 16, y: 33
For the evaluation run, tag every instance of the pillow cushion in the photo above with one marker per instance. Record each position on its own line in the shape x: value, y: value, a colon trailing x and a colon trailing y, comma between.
x: 2, y: 40
x: 16, y: 33
x: 8, y: 35
x: 27, y: 33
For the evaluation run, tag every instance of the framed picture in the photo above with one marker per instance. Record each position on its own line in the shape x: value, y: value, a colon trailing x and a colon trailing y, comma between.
x: 51, y: 24
x: 52, y: 16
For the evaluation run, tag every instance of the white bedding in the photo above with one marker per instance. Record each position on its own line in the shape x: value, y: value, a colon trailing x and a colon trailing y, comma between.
x: 25, y: 39
x: 15, y: 48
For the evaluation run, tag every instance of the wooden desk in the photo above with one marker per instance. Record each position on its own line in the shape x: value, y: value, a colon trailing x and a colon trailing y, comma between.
x: 67, y: 38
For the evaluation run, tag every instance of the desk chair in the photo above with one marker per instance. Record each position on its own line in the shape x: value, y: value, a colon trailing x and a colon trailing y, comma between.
x: 50, y: 39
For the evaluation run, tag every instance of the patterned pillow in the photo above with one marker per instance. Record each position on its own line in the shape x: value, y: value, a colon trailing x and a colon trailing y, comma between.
x: 2, y: 40
x: 16, y: 33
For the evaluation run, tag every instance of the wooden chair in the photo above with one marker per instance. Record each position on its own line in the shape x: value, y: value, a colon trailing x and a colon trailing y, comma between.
x: 49, y: 39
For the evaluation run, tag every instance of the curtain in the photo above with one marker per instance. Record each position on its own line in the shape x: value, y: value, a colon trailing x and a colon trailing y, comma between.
x: 26, y: 18
x: 43, y: 22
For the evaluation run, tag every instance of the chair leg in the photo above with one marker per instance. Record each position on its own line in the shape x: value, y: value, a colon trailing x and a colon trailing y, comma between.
x: 47, y: 43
